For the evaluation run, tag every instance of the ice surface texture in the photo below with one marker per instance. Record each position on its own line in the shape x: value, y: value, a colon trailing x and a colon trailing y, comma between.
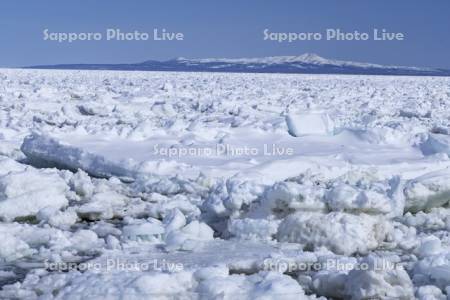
x: 344, y: 192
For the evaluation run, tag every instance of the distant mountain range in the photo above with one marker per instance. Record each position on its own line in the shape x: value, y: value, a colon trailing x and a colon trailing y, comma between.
x: 304, y: 64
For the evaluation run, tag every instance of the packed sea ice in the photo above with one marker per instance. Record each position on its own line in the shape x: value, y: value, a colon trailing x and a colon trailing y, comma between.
x: 153, y: 185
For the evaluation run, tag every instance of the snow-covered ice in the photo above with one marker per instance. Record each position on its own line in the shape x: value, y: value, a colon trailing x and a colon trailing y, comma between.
x: 138, y: 185
x: 313, y: 123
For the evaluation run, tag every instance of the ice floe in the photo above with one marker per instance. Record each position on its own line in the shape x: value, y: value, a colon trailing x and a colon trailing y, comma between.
x: 206, y: 185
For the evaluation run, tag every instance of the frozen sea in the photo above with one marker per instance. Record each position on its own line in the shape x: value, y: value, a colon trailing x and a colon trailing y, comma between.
x: 160, y: 185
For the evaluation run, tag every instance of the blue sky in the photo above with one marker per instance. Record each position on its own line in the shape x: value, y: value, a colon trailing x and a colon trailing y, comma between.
x: 223, y: 29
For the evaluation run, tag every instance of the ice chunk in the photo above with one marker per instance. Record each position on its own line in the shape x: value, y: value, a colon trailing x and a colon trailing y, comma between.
x: 24, y: 193
x: 253, y: 229
x: 13, y: 248
x: 330, y: 284
x: 268, y: 285
x: 198, y: 230
x: 309, y: 123
x: 85, y: 241
x: 437, y: 218
x: 286, y: 197
x: 43, y: 150
x: 187, y: 238
x: 430, y: 246
x: 430, y: 292
x: 433, y: 269
x: 373, y: 199
x: 57, y: 218
x: 382, y: 280
x: 341, y: 233
x: 81, y: 183
x: 103, y: 205
x: 8, y: 165
x: 107, y: 285
x: 144, y: 231
x: 174, y: 220
x: 161, y: 285
x: 330, y: 280
x: 220, y: 271
x: 348, y: 198
x: 427, y: 191
x: 436, y: 143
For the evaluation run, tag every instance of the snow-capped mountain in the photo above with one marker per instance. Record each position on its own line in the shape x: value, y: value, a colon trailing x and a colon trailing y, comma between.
x: 307, y: 64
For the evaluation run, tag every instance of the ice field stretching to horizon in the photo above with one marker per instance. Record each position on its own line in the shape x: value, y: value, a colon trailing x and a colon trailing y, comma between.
x: 165, y: 185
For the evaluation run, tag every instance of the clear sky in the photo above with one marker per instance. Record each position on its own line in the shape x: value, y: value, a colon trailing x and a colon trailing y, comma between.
x: 231, y: 28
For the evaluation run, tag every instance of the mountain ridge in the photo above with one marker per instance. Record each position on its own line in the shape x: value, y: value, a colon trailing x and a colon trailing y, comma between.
x: 308, y: 63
